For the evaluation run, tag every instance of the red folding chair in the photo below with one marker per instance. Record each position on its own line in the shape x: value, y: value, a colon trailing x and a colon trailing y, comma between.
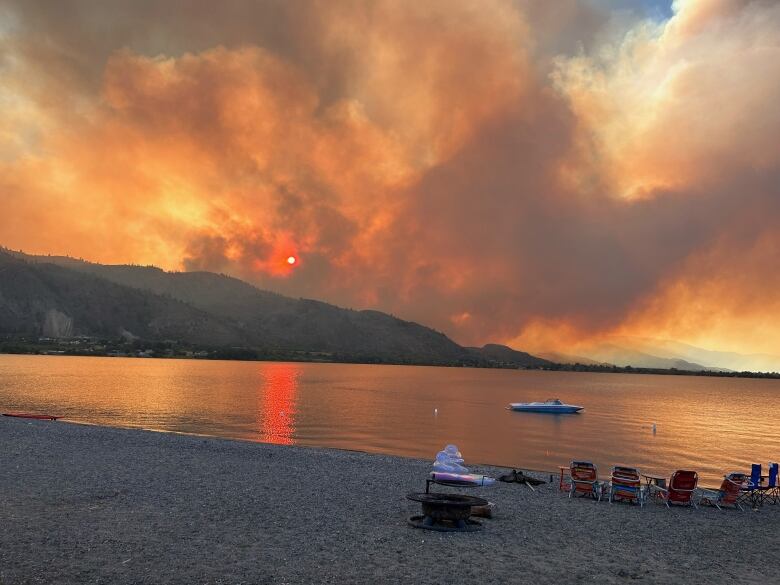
x: 682, y: 486
x: 728, y: 494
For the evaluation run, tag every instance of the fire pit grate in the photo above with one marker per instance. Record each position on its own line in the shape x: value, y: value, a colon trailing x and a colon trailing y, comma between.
x: 467, y: 525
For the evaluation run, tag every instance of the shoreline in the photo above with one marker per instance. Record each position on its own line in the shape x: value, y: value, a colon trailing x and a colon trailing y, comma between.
x: 706, y: 483
x: 558, y: 368
x: 82, y: 502
x: 540, y: 473
x: 68, y: 421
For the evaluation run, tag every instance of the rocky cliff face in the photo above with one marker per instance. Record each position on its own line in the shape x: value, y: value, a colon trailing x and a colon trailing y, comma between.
x: 57, y: 324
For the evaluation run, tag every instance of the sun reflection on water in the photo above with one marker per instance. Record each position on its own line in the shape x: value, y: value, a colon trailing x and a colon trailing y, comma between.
x: 276, y: 415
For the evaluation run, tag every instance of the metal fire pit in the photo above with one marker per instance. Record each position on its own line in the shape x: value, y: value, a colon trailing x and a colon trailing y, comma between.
x: 446, y: 512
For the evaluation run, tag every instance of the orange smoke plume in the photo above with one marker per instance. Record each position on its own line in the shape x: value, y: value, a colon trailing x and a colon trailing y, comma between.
x: 465, y: 164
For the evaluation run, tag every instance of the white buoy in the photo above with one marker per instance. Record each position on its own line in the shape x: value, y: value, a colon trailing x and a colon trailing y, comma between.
x: 435, y: 412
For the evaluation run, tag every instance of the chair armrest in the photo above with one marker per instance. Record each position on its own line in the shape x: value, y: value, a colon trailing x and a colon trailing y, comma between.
x: 658, y: 488
x: 739, y: 484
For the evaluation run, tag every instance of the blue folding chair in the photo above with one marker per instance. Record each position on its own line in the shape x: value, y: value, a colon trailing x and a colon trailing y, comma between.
x: 753, y: 491
x: 772, y: 487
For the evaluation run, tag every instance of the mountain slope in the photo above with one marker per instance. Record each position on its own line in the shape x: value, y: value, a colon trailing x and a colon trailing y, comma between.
x: 49, y: 300
x: 563, y: 358
x: 239, y: 313
x: 502, y: 354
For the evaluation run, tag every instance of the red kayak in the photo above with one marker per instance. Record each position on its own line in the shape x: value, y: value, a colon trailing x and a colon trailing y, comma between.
x: 29, y: 415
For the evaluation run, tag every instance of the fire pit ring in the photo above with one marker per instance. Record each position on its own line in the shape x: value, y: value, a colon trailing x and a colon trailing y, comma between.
x: 446, y: 512
x: 464, y: 526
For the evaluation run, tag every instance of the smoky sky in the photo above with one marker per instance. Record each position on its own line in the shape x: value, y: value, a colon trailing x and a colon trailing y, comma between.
x: 506, y: 171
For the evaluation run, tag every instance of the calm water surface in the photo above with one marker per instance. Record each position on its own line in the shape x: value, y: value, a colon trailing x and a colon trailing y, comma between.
x: 712, y: 425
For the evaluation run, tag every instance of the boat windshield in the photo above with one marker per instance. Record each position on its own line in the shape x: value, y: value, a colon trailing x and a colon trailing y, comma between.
x: 553, y: 401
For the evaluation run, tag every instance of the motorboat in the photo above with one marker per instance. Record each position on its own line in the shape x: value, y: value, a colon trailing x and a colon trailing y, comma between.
x: 553, y: 405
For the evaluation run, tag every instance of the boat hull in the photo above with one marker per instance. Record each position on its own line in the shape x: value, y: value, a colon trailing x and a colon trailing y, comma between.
x: 546, y: 409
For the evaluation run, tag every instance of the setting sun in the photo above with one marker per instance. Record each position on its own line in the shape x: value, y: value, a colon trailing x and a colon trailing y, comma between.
x: 291, y: 260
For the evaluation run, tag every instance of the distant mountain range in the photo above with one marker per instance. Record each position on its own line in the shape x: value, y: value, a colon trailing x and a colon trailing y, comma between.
x: 730, y: 360
x: 607, y: 353
x: 60, y: 297
x: 666, y: 354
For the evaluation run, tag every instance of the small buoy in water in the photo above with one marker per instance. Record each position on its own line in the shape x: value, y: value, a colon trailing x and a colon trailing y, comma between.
x: 435, y: 411
x: 653, y: 428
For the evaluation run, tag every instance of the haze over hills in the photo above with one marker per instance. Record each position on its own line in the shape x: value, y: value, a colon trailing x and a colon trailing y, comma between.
x: 617, y: 355
x: 60, y: 296
x: 724, y: 359
x: 655, y: 353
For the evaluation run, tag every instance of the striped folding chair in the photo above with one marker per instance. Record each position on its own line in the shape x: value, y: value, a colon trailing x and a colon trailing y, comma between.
x: 584, y: 480
x: 728, y: 494
x: 626, y: 484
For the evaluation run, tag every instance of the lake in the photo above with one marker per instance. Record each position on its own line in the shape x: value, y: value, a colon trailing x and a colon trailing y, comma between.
x: 711, y: 425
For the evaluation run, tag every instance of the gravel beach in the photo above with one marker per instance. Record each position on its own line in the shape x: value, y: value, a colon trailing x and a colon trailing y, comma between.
x: 87, y: 504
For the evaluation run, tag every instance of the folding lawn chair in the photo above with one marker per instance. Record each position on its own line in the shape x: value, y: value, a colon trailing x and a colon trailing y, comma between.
x: 728, y: 494
x: 773, y: 488
x: 584, y: 480
x: 682, y: 486
x: 753, y: 491
x: 625, y: 484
